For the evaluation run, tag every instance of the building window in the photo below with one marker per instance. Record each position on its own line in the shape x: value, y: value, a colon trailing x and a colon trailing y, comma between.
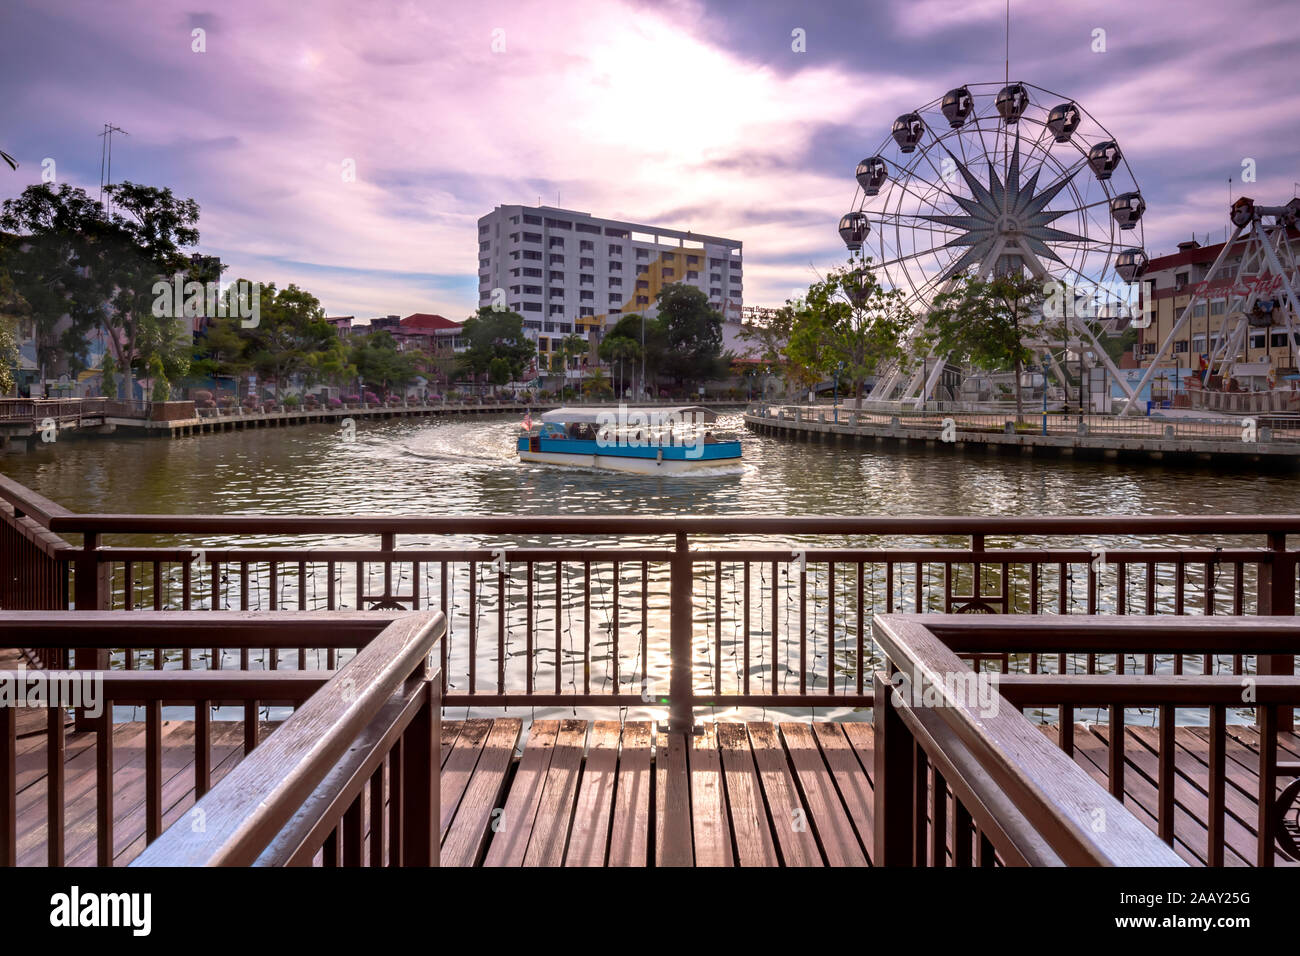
x: 483, y: 230
x: 557, y: 260
x: 533, y: 273
x: 615, y: 282
x: 532, y: 220
x: 1218, y: 307
x: 559, y: 224
x: 586, y: 296
x: 557, y: 242
x: 484, y: 246
x: 692, y: 274
x: 615, y: 249
x: 715, y: 277
x: 615, y: 299
x: 715, y: 293
x: 557, y: 293
x: 586, y: 245
x: 1278, y: 340
x: 587, y: 227
x: 643, y: 283
x: 692, y: 260
x: 586, y: 312
x: 643, y: 253
x: 557, y: 310
x: 532, y: 307
x: 669, y: 273
x: 616, y: 267
x: 643, y: 300
x: 557, y: 276
x: 1198, y: 343
x: 1148, y: 348
x: 642, y: 270
x: 715, y: 263
x: 532, y: 254
x: 1198, y: 310
x: 1180, y: 346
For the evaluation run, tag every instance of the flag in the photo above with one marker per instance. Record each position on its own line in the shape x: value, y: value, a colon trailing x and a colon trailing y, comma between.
x: 528, y: 421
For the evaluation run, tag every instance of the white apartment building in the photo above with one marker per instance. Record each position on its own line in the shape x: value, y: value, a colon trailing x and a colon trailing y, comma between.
x: 566, y: 271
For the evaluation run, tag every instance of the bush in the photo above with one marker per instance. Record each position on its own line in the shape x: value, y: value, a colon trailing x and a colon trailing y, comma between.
x: 292, y: 401
x: 337, y: 403
x: 201, y: 397
x: 371, y: 398
x: 352, y: 399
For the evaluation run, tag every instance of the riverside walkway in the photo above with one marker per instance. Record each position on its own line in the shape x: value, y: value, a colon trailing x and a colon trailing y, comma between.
x: 1271, y: 440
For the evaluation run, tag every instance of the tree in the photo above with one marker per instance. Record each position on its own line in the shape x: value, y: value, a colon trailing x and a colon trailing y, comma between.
x: 692, y: 334
x: 597, y: 384
x: 983, y: 322
x: 378, y: 361
x: 144, y: 246
x: 291, y: 336
x: 56, y: 237
x: 847, y: 325
x: 771, y: 335
x: 495, y: 336
x: 621, y: 350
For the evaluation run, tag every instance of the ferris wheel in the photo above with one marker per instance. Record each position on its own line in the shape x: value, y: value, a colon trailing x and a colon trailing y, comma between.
x: 993, y: 179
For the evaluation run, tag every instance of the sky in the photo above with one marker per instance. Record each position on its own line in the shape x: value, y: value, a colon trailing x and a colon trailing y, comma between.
x: 717, y: 116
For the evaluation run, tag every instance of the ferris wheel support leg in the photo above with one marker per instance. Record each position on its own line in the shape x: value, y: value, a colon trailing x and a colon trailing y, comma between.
x: 1110, y: 365
x: 1271, y: 254
x: 1183, y: 319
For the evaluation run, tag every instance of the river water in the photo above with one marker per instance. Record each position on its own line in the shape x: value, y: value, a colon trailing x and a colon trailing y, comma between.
x: 467, y: 466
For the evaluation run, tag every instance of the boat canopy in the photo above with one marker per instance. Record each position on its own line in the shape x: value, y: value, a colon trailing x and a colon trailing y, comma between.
x: 634, y: 416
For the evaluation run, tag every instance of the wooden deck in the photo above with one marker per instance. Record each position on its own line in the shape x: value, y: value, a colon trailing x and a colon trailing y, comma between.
x: 603, y: 794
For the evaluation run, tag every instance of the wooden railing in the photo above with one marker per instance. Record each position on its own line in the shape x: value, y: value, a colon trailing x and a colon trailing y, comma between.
x: 359, y: 739
x: 683, y: 612
x: 1013, y: 796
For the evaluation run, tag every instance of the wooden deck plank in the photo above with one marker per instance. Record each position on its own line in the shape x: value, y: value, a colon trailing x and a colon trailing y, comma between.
x: 467, y: 836
x: 629, y: 834
x: 1139, y: 794
x: 789, y: 816
x: 673, y: 842
x: 1192, y: 805
x: 449, y: 732
x: 852, y: 779
x: 594, y: 813
x: 509, y: 841
x: 458, y: 768
x: 749, y: 823
x: 550, y: 835
x: 710, y: 824
x: 830, y: 822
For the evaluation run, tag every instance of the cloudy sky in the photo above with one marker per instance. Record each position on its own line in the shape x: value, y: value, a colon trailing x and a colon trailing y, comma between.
x: 695, y: 114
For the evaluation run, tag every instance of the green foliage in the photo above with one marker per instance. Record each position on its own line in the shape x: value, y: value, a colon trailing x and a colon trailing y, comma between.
x: 984, y: 322
x: 162, y: 389
x: 848, y: 324
x: 496, y: 347
x: 378, y: 361
x: 291, y: 337
x: 691, y: 333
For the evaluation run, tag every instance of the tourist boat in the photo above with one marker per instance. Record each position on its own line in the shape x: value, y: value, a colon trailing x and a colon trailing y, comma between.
x: 644, y: 441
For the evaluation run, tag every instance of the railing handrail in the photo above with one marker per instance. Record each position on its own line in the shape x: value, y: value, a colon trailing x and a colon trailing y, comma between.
x: 676, y: 524
x: 32, y: 504
x: 251, y: 805
x: 1113, y: 634
x: 1057, y: 798
x: 194, y: 629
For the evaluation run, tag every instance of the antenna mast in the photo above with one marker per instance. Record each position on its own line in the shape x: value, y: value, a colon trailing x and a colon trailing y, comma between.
x: 106, y: 161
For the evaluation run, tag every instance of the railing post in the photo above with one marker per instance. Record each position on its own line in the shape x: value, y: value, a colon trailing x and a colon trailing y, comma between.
x: 92, y: 593
x: 681, y: 716
x: 1277, y: 597
x: 894, y: 755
